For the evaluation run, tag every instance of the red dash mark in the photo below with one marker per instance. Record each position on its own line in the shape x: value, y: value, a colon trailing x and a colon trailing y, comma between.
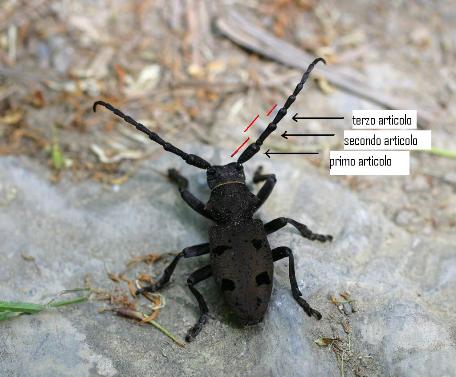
x: 237, y: 150
x: 251, y: 123
x: 272, y: 109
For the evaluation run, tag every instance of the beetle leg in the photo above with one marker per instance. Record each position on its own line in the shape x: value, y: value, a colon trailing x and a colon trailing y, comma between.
x: 196, y: 277
x: 189, y: 198
x: 282, y: 252
x: 280, y: 222
x: 188, y: 252
x: 267, y: 188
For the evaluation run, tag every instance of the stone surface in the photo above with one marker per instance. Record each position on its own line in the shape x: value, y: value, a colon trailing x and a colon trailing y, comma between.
x: 404, y: 284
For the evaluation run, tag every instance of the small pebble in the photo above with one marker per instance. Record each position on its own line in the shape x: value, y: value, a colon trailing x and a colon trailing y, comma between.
x: 346, y: 308
x: 346, y: 326
x: 405, y: 217
x: 418, y: 183
x: 450, y: 177
x: 341, y: 308
x: 354, y: 307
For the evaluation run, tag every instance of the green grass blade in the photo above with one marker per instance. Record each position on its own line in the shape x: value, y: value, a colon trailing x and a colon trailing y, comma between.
x: 77, y: 300
x: 24, y: 307
x: 448, y: 153
x: 10, y: 309
x: 58, y: 160
x: 166, y: 332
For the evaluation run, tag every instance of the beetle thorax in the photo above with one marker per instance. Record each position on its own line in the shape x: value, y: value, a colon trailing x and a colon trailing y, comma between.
x: 230, y: 198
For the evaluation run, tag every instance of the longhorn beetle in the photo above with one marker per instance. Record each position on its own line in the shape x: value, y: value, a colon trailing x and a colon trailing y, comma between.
x: 241, y: 259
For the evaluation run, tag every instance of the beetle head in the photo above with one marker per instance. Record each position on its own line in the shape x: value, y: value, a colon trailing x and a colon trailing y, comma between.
x: 224, y: 174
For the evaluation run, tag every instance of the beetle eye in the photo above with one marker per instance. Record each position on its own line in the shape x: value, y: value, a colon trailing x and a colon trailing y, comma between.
x: 238, y: 166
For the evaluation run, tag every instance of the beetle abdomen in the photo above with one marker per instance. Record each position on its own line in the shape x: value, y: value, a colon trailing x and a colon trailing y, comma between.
x: 242, y: 266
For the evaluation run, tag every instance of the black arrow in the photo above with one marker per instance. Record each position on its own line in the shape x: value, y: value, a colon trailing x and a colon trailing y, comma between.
x: 267, y: 153
x: 285, y: 135
x: 295, y: 117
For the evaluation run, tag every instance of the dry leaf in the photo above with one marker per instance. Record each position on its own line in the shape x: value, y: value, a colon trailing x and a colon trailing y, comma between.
x: 196, y: 70
x: 116, y: 156
x: 333, y: 299
x: 325, y: 86
x: 325, y: 342
x: 146, y: 278
x: 12, y: 117
x: 113, y: 277
x: 346, y: 326
x: 151, y: 317
x: 129, y: 313
x: 148, y: 258
x: 345, y: 295
x: 121, y: 74
x: 102, y: 296
x: 37, y: 99
x: 123, y: 301
x: 152, y: 297
x: 147, y: 81
x: 132, y: 288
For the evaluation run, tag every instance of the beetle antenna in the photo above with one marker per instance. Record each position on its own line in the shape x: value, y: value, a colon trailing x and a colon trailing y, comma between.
x: 253, y: 148
x: 190, y: 159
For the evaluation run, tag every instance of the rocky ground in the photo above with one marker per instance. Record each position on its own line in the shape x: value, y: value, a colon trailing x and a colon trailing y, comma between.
x: 403, y: 283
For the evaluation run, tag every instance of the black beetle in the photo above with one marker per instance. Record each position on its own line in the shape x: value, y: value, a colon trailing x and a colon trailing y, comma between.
x: 241, y: 258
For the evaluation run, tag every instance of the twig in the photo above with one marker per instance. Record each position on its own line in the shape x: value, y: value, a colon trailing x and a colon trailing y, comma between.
x: 247, y: 35
x: 166, y: 332
x: 133, y: 314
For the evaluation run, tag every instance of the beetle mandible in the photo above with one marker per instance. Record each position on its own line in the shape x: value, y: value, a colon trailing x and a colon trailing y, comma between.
x: 241, y: 259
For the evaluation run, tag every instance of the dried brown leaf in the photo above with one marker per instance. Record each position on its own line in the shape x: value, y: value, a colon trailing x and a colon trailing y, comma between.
x: 121, y: 74
x: 12, y: 117
x: 132, y: 288
x: 146, y: 278
x: 37, y: 99
x: 123, y: 301
x: 129, y: 313
x: 19, y: 134
x: 152, y: 297
x: 346, y: 326
x: 345, y: 295
x: 333, y: 299
x: 325, y: 342
x: 151, y: 317
x: 115, y: 278
x: 148, y: 258
x: 325, y: 86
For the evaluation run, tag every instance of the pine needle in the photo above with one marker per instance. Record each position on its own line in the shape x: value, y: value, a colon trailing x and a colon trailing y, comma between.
x: 133, y: 314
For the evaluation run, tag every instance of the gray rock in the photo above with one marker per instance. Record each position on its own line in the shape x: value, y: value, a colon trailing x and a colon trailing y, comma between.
x: 347, y: 308
x: 405, y: 217
x: 403, y: 285
x: 417, y: 184
x: 450, y: 177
